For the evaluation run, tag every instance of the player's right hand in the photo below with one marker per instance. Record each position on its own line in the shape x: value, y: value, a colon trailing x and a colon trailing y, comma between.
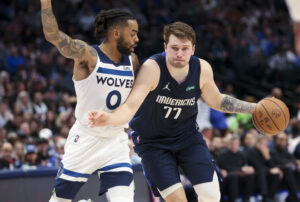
x: 98, y: 118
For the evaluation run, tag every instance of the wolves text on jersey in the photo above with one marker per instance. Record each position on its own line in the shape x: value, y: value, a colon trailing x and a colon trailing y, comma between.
x: 117, y: 82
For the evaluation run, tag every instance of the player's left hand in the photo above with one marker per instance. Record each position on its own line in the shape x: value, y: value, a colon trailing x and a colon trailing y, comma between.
x: 98, y: 118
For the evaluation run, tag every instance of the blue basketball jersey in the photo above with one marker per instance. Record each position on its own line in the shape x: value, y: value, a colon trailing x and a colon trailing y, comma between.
x: 167, y: 117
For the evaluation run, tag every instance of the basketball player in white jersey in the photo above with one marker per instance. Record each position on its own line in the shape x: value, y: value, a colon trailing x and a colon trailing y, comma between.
x: 294, y: 11
x: 103, y: 77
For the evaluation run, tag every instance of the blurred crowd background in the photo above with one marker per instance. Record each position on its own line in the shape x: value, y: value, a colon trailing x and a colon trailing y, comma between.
x: 249, y: 44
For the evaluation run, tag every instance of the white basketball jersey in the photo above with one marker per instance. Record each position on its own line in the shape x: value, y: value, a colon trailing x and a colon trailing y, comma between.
x: 105, y: 89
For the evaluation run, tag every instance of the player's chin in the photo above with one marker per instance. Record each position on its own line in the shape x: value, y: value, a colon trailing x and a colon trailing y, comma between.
x: 179, y: 65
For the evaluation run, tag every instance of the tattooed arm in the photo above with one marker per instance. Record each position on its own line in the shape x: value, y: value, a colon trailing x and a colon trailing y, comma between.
x: 85, y: 56
x: 216, y: 100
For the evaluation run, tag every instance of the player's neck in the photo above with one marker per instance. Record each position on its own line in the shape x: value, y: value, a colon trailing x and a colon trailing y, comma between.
x: 178, y: 73
x: 111, y: 52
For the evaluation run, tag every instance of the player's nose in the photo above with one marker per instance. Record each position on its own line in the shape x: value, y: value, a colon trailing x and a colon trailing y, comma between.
x: 179, y: 53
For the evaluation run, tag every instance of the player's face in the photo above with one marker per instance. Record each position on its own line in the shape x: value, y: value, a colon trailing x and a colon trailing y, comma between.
x: 128, y: 39
x: 179, y: 51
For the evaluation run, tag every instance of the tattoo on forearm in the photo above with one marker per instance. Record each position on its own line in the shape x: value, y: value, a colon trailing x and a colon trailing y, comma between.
x: 231, y: 104
x: 68, y: 47
x: 53, y: 36
x: 49, y: 21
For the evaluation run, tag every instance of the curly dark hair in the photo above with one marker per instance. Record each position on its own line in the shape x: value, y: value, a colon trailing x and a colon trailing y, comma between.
x: 109, y: 18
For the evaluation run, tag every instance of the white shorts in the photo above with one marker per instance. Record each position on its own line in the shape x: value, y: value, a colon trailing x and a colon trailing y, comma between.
x: 85, y: 154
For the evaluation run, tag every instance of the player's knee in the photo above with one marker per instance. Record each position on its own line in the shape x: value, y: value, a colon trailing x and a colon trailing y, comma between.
x: 176, y: 198
x: 209, y: 191
x: 175, y: 193
x: 209, y: 196
x: 54, y: 198
x: 121, y: 193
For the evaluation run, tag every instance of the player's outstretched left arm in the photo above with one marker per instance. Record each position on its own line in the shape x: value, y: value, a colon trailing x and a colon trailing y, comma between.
x: 216, y: 100
x: 78, y: 50
x: 142, y: 86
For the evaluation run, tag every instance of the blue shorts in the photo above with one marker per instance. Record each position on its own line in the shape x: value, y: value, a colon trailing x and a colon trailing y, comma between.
x: 162, y: 167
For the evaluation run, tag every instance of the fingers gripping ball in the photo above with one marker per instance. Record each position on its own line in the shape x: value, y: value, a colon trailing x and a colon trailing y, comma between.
x: 271, y: 116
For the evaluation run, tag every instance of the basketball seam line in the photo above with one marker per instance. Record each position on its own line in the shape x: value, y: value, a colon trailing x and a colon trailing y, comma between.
x: 279, y: 108
x: 255, y: 121
x: 270, y: 117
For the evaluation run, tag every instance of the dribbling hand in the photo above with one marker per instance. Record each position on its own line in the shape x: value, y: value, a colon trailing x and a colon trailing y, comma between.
x: 98, y: 118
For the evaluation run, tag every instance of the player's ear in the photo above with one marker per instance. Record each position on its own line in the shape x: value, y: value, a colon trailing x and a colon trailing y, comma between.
x: 116, y: 33
x: 165, y: 46
x: 193, y: 49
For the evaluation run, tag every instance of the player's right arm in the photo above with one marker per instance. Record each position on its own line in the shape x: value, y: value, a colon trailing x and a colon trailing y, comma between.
x: 147, y: 80
x: 84, y: 56
x: 216, y: 100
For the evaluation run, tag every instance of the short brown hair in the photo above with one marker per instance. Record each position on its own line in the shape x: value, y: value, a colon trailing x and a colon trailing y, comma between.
x: 180, y: 30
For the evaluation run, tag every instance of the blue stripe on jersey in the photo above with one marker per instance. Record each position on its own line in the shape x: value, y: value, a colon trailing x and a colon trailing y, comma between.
x: 117, y: 165
x: 103, y: 58
x: 75, y: 174
x: 114, y: 72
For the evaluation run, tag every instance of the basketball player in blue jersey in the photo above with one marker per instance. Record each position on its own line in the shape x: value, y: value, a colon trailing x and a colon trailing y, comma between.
x: 103, y: 77
x: 164, y: 101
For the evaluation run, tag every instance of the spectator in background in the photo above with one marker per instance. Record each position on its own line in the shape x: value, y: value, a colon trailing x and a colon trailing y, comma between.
x: 276, y: 92
x: 297, y: 153
x: 295, y: 110
x: 267, y: 175
x: 31, y: 157
x: 216, y: 146
x: 42, y: 152
x: 287, y: 163
x: 56, y: 158
x: 6, y: 156
x: 34, y: 127
x: 50, y: 120
x: 248, y: 141
x: 24, y: 132
x: 47, y: 137
x: 238, y: 175
x: 3, y: 135
x: 65, y: 104
x: 14, y: 60
x: 5, y: 85
x: 5, y: 114
x: 19, y: 154
x: 24, y: 103
x: 39, y: 107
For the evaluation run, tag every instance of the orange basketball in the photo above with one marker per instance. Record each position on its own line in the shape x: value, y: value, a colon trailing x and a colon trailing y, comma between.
x: 271, y: 116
